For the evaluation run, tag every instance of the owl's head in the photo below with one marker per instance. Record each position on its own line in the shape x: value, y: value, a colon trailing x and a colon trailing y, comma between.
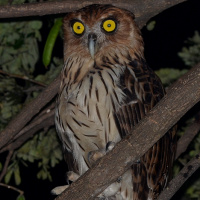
x: 96, y: 30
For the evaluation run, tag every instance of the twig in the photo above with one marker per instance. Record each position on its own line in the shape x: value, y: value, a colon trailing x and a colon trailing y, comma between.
x: 188, y: 136
x: 12, y: 188
x: 10, y: 153
x: 26, y: 78
x: 179, y: 180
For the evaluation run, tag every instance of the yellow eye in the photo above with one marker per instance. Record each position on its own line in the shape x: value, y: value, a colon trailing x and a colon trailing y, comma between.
x: 109, y: 25
x: 78, y: 28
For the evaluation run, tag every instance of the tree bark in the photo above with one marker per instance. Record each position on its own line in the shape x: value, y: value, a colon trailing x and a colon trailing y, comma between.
x: 180, y: 179
x: 28, y: 112
x: 145, y: 134
x: 143, y: 10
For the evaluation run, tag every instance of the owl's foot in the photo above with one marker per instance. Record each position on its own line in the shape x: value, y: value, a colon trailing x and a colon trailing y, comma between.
x: 59, y: 189
x: 72, y: 176
x: 110, y: 191
x: 109, y: 146
x: 93, y: 156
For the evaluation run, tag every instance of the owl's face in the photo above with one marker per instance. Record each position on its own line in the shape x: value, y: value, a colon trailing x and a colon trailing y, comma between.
x: 98, y: 29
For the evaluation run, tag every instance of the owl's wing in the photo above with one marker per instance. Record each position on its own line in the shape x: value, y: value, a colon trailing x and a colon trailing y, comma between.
x: 143, y: 90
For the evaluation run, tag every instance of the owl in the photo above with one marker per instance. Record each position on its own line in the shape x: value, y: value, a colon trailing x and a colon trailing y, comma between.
x: 106, y: 89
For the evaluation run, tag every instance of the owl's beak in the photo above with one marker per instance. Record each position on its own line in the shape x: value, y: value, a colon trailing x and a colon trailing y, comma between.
x: 92, y: 44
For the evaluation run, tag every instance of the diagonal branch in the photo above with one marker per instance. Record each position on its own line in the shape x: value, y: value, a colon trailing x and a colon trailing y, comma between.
x: 143, y: 10
x: 149, y: 130
x: 5, y: 167
x: 180, y: 179
x: 28, y: 112
x: 39, y: 123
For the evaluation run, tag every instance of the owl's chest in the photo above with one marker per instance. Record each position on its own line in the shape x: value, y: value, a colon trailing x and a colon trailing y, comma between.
x: 98, y: 92
x: 90, y: 106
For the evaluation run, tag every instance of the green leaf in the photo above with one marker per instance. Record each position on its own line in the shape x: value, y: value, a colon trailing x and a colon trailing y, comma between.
x: 191, y: 54
x: 8, y: 176
x: 36, y: 25
x: 48, y: 48
x: 21, y: 197
x: 151, y: 25
x: 17, y: 175
x: 169, y: 75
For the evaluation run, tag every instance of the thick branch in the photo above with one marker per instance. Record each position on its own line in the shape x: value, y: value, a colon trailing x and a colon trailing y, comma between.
x: 143, y: 10
x: 42, y: 122
x: 180, y: 179
x: 162, y: 117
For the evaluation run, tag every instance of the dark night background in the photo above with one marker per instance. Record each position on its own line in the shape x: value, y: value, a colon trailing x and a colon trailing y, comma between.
x: 173, y: 27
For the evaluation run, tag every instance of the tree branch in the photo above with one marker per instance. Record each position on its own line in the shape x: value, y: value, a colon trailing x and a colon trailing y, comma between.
x: 26, y: 78
x: 143, y: 10
x: 10, y: 153
x: 12, y: 188
x: 188, y: 136
x: 28, y: 131
x: 179, y: 180
x: 149, y: 130
x: 28, y: 112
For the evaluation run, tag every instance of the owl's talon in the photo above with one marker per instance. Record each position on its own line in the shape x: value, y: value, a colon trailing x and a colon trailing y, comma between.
x: 93, y: 156
x: 58, y: 190
x: 72, y: 176
x: 110, y: 145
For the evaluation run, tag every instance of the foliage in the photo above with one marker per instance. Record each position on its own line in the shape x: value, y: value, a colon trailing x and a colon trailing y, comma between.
x: 169, y: 75
x: 21, y: 197
x: 20, y: 63
x: 191, y: 53
x: 43, y: 149
x: 190, y: 56
x: 151, y: 25
x: 19, y: 54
